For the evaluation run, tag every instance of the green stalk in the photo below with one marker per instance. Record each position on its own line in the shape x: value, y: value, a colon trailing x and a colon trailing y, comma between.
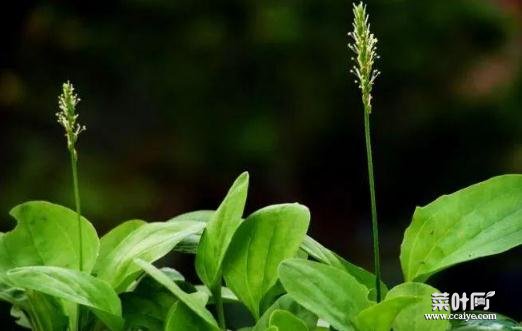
x: 218, y: 299
x: 375, y: 226
x: 74, y: 171
x: 76, y: 187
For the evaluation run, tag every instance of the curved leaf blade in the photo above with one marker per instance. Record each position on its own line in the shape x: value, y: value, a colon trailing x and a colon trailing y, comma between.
x: 34, y: 239
x: 286, y: 303
x: 147, y: 306
x: 286, y: 321
x: 73, y: 286
x: 148, y: 242
x: 114, y: 237
x: 190, y: 244
x: 324, y: 255
x: 411, y: 318
x: 380, y: 317
x: 263, y: 240
x: 191, y: 302
x: 219, y: 231
x: 329, y: 292
x: 181, y: 318
x: 480, y: 220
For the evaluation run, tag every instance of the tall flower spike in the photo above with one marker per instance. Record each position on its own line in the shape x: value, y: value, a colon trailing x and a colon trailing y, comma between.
x: 67, y: 116
x: 364, y: 46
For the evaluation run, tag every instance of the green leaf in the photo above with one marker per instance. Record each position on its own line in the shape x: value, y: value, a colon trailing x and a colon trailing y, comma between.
x: 148, y: 305
x: 145, y: 312
x: 38, y: 311
x: 271, y: 296
x: 47, y: 234
x: 380, y: 317
x: 286, y: 321
x: 190, y: 301
x: 411, y: 318
x: 148, y: 242
x: 263, y: 240
x: 181, y: 318
x: 324, y: 255
x: 73, y: 286
x: 219, y: 231
x: 329, y: 292
x: 189, y: 245
x: 480, y: 220
x: 114, y: 237
x: 286, y: 302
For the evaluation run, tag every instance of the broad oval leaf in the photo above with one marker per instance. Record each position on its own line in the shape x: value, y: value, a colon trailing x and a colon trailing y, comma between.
x: 148, y: 242
x: 191, y: 302
x: 329, y: 292
x: 480, y: 220
x: 324, y: 255
x: 411, y: 318
x: 380, y: 317
x: 219, y: 231
x: 286, y: 321
x: 47, y: 234
x: 73, y: 286
x: 263, y: 240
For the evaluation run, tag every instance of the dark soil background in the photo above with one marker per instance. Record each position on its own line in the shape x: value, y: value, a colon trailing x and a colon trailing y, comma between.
x: 181, y: 96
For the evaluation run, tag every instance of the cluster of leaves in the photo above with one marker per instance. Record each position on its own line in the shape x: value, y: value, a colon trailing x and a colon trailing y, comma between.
x: 274, y: 275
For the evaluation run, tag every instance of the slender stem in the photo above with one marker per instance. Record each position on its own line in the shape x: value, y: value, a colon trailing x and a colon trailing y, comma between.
x: 375, y: 228
x: 218, y: 299
x: 74, y: 171
x: 76, y: 186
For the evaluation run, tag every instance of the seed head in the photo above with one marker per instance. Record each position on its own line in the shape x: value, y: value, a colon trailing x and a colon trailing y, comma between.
x: 364, y: 46
x: 67, y: 116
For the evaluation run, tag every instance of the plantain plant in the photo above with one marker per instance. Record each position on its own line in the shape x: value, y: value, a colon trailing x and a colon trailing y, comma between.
x: 365, y: 50
x: 258, y: 272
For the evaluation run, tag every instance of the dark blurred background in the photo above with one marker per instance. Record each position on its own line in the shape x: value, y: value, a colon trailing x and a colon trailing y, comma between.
x: 181, y: 96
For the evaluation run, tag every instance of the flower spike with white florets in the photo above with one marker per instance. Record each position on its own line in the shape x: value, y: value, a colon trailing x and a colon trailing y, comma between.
x: 67, y: 116
x: 364, y: 47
